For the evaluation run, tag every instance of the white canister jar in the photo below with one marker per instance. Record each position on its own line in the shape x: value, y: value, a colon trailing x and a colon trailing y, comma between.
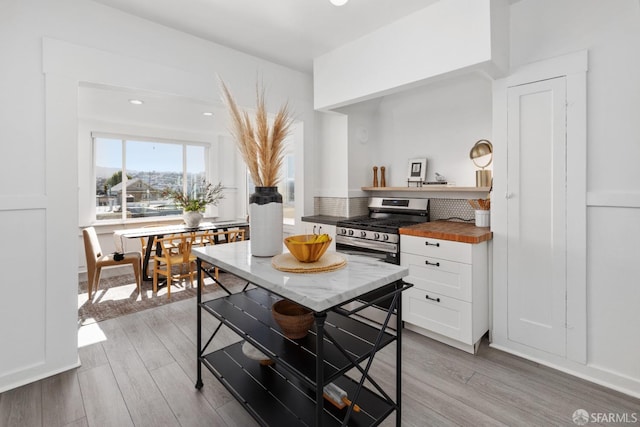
x: 483, y: 218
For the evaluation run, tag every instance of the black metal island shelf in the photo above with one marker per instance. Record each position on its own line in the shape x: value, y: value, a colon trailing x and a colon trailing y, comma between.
x: 289, y: 392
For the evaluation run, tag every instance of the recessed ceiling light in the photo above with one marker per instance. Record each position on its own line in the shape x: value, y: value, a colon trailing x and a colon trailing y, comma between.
x: 207, y: 113
x: 338, y: 2
x: 136, y: 102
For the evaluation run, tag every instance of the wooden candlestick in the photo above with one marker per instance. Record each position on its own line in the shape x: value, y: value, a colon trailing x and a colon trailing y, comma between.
x: 383, y: 180
x: 375, y: 176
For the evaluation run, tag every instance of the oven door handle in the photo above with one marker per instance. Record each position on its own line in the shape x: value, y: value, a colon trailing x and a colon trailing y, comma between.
x: 368, y: 244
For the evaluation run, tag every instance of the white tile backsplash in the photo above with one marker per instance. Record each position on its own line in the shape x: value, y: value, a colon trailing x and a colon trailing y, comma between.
x: 440, y: 209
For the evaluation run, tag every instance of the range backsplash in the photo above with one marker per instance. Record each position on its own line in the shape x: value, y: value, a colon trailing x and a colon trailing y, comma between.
x: 440, y: 209
x: 340, y: 206
x: 451, y: 210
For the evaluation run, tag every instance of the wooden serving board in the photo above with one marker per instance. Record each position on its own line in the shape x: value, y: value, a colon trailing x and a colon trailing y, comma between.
x: 328, y: 262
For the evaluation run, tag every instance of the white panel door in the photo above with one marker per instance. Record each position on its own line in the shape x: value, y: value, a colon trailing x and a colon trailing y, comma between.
x: 537, y: 220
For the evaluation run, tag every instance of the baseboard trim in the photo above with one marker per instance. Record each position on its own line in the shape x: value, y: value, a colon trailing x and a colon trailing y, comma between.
x: 37, y: 377
x: 582, y: 375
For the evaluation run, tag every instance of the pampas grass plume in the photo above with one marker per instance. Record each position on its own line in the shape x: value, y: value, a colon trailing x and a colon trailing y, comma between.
x: 260, y: 143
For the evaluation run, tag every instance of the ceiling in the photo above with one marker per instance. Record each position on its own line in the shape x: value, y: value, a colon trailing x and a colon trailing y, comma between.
x: 159, y: 110
x: 287, y: 32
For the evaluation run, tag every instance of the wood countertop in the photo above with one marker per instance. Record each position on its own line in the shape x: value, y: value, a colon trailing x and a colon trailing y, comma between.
x: 449, y: 230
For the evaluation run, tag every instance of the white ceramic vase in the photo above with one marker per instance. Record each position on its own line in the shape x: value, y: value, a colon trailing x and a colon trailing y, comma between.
x: 265, y: 222
x: 192, y: 218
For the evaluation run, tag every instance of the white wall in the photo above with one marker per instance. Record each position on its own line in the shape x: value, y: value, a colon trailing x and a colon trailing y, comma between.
x: 330, y: 162
x: 365, y: 140
x: 440, y: 121
x: 446, y: 36
x: 38, y: 127
x: 610, y: 31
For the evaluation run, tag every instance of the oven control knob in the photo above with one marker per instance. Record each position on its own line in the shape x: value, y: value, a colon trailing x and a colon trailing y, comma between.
x: 363, y: 234
x: 376, y: 236
x: 385, y: 237
x: 350, y: 232
x: 343, y: 231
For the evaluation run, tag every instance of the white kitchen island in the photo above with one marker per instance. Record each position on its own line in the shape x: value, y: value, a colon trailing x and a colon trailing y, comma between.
x: 289, y: 392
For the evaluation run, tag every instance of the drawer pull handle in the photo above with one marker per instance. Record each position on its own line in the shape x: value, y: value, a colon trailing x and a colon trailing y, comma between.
x: 437, y: 264
x: 432, y: 299
x: 426, y: 243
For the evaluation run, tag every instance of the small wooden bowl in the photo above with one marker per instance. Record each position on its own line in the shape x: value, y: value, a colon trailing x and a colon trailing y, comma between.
x: 294, y: 319
x: 304, y: 251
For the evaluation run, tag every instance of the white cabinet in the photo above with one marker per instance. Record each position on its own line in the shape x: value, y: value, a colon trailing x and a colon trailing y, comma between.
x: 450, y: 298
x: 321, y: 228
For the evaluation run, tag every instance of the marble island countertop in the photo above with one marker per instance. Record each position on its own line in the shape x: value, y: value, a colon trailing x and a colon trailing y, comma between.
x: 449, y: 230
x: 316, y: 291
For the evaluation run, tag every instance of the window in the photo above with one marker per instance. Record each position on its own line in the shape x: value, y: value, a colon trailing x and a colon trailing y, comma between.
x: 131, y: 175
x: 286, y: 187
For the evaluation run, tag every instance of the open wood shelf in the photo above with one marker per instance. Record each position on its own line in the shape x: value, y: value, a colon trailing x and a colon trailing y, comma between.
x: 431, y: 189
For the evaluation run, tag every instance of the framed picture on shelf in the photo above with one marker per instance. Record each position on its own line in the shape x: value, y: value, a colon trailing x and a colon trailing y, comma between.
x: 417, y: 170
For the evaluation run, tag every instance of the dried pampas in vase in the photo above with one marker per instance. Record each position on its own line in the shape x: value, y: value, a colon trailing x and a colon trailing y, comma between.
x: 261, y: 145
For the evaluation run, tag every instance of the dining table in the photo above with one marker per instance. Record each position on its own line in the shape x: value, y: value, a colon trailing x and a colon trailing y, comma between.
x: 152, y: 234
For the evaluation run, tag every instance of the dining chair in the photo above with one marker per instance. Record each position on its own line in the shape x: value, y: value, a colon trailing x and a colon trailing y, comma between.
x: 225, y: 236
x: 145, y: 240
x: 199, y: 238
x: 213, y: 237
x: 96, y: 260
x: 175, y: 254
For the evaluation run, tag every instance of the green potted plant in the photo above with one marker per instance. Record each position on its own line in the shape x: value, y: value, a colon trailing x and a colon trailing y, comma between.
x: 193, y: 205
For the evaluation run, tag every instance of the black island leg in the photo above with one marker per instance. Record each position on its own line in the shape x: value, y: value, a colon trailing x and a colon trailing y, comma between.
x: 399, y: 360
x: 199, y: 316
x: 320, y: 319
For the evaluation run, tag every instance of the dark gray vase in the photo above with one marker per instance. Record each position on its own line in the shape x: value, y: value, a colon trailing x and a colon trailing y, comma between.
x: 265, y: 221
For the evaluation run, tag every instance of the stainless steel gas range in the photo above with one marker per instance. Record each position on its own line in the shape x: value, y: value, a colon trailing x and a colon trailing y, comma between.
x: 377, y: 235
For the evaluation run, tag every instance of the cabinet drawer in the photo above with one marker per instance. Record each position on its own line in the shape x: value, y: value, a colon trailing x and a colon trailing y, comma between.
x: 443, y: 249
x: 441, y: 276
x: 448, y: 316
x: 318, y: 228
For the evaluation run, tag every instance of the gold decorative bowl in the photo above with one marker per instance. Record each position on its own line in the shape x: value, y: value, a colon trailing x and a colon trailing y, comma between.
x: 294, y: 319
x: 307, y: 247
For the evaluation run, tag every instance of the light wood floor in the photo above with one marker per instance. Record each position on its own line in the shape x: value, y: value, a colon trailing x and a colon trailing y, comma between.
x: 140, y: 370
